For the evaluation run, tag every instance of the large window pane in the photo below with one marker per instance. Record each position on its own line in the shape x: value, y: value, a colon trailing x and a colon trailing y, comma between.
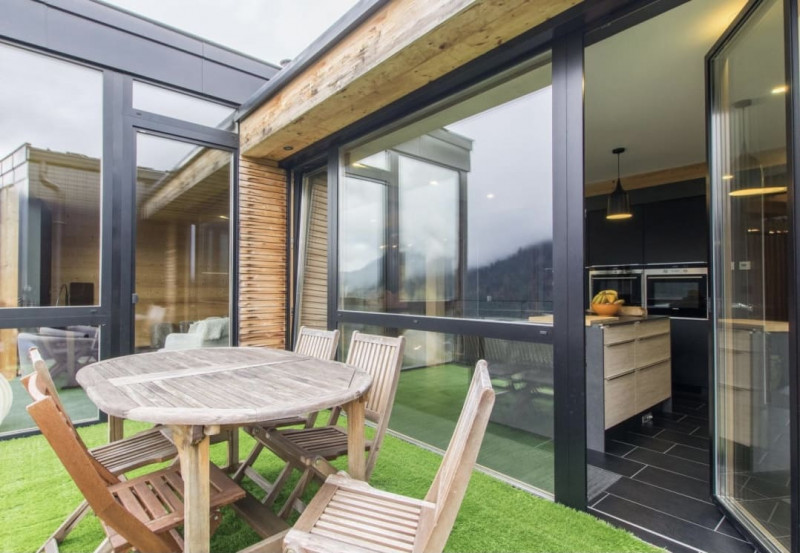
x: 437, y: 368
x: 50, y: 150
x: 181, y: 106
x: 751, y: 183
x: 65, y: 350
x: 462, y: 225
x: 182, y: 245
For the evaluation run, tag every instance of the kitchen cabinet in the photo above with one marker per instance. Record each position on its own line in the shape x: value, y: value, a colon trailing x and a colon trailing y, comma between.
x: 676, y: 231
x: 628, y: 370
x: 668, y: 231
x: 615, y: 242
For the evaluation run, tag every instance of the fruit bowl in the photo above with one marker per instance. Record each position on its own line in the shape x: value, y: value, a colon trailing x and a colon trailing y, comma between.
x: 606, y: 309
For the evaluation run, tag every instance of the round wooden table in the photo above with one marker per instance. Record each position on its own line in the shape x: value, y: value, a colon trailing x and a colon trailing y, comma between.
x: 195, y: 392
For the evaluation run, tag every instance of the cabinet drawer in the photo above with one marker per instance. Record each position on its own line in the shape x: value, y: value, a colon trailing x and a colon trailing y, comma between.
x: 615, y: 334
x: 653, y: 385
x: 618, y: 358
x: 651, y: 350
x: 619, y: 402
x: 652, y: 328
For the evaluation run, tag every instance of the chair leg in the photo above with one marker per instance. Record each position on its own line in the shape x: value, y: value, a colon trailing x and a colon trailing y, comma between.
x: 296, y: 494
x: 104, y: 547
x: 70, y: 522
x: 278, y: 485
x: 233, y: 450
x: 248, y: 462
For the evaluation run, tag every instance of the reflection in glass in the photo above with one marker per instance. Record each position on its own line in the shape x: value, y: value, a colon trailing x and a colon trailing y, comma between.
x: 466, y: 208
x: 182, y: 245
x: 181, y: 106
x: 49, y: 181
x: 437, y: 368
x: 65, y: 350
x: 363, y: 244
x: 750, y: 180
x: 312, y: 278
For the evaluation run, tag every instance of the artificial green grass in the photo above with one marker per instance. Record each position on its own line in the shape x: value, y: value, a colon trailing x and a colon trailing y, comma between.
x: 37, y: 495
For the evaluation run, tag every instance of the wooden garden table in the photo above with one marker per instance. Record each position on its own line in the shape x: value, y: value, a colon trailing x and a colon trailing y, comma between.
x: 194, y: 392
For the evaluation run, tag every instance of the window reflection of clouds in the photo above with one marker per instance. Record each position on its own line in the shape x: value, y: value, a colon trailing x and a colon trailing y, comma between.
x: 362, y: 226
x: 512, y: 160
x: 49, y: 103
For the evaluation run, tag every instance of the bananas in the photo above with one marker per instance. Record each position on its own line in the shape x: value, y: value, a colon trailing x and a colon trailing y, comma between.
x: 607, y: 296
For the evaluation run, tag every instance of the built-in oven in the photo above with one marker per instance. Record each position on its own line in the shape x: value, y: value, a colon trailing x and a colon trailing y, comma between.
x: 677, y: 292
x: 626, y: 281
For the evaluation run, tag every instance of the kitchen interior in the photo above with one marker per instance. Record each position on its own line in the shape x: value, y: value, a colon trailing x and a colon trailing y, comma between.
x: 649, y: 354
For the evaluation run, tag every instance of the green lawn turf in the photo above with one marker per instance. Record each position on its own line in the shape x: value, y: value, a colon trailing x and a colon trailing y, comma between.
x: 37, y: 494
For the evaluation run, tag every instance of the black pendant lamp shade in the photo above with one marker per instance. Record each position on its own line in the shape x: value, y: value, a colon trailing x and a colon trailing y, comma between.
x: 619, y: 203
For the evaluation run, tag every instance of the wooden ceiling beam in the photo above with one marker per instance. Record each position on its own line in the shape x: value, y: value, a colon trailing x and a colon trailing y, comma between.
x: 399, y: 49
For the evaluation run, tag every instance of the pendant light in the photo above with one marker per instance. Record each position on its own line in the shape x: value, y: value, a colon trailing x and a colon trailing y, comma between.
x: 619, y: 203
x: 748, y: 178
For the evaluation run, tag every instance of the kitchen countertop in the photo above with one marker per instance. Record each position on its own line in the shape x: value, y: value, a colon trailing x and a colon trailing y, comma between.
x: 598, y: 320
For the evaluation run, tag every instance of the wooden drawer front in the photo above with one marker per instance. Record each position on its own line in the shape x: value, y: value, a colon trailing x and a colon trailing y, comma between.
x: 736, y: 420
x: 653, y: 385
x: 620, y: 402
x: 652, y: 350
x: 652, y: 328
x: 619, y: 333
x: 618, y: 358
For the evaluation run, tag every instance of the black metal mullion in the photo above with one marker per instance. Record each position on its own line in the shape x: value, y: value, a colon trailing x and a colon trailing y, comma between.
x: 568, y: 267
x: 333, y: 236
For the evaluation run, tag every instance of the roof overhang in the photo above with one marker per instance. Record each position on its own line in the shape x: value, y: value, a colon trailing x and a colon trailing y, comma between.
x: 401, y: 47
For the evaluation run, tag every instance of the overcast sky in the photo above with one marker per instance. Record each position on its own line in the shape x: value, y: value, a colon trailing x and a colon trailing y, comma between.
x: 271, y: 30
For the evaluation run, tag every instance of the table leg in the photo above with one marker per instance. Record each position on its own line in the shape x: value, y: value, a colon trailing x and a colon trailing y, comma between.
x: 355, y: 439
x: 116, y: 428
x: 192, y: 445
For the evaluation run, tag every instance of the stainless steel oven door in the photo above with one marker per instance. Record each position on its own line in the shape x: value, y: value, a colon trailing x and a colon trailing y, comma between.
x: 677, y: 292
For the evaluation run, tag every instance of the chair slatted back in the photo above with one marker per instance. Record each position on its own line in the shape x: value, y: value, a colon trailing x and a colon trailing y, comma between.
x: 382, y: 358
x: 79, y: 464
x: 450, y: 484
x: 321, y: 344
x: 44, y: 382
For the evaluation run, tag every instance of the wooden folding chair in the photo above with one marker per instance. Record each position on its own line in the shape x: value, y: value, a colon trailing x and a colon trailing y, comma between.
x: 321, y: 344
x: 143, y: 513
x: 350, y: 516
x: 116, y: 458
x: 308, y: 449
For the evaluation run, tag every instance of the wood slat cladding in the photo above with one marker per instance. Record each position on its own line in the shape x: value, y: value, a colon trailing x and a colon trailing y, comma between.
x: 404, y: 46
x: 262, y: 253
x: 314, y: 292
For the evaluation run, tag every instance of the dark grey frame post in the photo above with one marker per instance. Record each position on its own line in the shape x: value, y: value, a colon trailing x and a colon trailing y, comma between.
x: 568, y: 268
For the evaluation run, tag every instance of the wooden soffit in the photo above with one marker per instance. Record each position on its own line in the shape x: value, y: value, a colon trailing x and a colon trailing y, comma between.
x: 402, y: 47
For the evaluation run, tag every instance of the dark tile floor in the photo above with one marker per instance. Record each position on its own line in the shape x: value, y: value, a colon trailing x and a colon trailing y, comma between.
x: 664, y: 493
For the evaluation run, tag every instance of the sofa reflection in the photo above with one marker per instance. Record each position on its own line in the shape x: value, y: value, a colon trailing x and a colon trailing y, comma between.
x: 65, y: 350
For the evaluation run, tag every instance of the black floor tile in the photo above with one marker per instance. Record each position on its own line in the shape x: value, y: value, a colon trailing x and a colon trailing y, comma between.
x: 728, y: 529
x: 666, y: 501
x: 701, y: 432
x: 700, y: 419
x: 669, y: 424
x: 645, y: 441
x: 675, y: 482
x: 688, y: 403
x: 668, y: 415
x: 668, y: 462
x: 690, y: 453
x: 619, y: 449
x: 766, y: 487
x: 613, y: 463
x: 643, y: 429
x: 666, y: 525
x: 685, y: 439
x: 649, y: 537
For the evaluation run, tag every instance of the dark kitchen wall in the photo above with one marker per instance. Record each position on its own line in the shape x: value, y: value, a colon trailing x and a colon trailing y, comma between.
x: 669, y: 225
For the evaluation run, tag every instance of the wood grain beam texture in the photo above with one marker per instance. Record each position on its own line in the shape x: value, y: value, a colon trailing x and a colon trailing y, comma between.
x: 262, y: 253
x: 401, y: 48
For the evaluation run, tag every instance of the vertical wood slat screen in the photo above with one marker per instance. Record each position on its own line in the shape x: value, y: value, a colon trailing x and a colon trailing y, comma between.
x: 314, y: 292
x: 262, y: 253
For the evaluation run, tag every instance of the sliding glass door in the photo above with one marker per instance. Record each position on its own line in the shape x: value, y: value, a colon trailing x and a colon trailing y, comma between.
x: 750, y: 186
